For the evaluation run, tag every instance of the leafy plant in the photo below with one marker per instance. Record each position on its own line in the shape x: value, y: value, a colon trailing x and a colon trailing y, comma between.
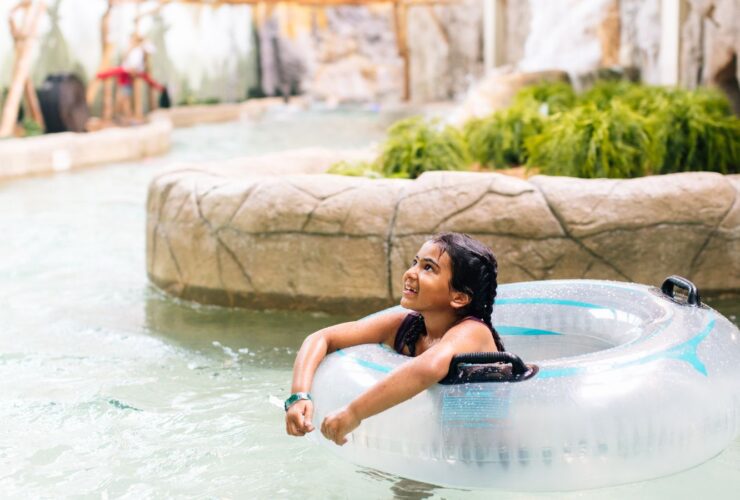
x: 695, y: 131
x: 355, y: 169
x: 31, y: 127
x: 604, y: 92
x: 499, y: 140
x: 547, y: 97
x: 416, y: 145
x: 593, y: 142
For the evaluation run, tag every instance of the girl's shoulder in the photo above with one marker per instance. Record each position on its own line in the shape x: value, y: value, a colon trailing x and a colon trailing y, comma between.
x: 470, y: 325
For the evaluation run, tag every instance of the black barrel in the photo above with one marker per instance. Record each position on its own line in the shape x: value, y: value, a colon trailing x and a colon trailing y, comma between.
x: 63, y: 103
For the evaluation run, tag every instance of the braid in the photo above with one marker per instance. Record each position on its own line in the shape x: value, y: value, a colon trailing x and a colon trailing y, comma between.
x: 481, y: 305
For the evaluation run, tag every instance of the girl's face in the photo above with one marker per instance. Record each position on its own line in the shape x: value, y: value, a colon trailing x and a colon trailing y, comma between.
x: 426, y: 284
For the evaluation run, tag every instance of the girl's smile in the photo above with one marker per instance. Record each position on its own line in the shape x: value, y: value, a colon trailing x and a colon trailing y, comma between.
x: 426, y: 282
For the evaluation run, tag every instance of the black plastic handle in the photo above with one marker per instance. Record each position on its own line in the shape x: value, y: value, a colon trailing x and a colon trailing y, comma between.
x: 680, y: 282
x: 490, y: 362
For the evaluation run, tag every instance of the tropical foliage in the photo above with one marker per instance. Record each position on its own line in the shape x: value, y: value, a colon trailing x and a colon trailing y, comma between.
x: 615, y: 129
x: 498, y: 140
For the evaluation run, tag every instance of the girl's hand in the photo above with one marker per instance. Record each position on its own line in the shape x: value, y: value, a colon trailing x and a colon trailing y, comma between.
x: 338, y: 424
x: 298, y: 418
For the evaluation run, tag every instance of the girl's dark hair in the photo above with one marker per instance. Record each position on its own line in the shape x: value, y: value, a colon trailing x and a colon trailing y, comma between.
x: 474, y: 272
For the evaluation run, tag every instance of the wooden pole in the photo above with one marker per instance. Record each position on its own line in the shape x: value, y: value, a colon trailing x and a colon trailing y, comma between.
x: 22, y: 64
x: 108, y: 88
x: 105, y: 60
x: 138, y: 90
x: 401, y: 25
x: 33, y: 104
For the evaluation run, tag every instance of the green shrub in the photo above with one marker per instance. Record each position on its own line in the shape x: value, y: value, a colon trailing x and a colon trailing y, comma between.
x: 604, y: 92
x: 355, y: 169
x: 555, y: 96
x: 593, y: 142
x: 694, y: 131
x: 31, y: 127
x: 498, y: 140
x: 415, y: 145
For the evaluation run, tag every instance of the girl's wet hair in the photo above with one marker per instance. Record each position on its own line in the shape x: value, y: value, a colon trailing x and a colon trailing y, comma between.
x: 474, y: 273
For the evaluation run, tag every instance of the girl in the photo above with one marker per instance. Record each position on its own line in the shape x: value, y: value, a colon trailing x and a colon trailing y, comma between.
x: 450, y: 287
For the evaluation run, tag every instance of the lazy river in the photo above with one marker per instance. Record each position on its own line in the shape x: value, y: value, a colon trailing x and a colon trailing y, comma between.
x: 111, y: 389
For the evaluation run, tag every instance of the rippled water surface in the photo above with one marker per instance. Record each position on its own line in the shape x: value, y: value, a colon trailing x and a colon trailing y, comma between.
x: 111, y: 389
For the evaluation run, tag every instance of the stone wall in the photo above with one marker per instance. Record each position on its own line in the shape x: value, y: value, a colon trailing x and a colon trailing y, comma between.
x: 324, y: 242
x: 51, y: 153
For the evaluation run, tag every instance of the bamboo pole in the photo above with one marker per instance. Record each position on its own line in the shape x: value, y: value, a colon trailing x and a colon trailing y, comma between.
x: 22, y: 63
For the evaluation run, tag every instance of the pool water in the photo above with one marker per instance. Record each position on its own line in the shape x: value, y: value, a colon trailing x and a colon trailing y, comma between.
x: 111, y: 389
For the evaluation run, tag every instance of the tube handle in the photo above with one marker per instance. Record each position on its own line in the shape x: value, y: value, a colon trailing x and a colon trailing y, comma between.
x: 678, y: 281
x: 490, y: 361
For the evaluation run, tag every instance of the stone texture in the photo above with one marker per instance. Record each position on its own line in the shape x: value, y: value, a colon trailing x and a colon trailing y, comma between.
x: 710, y: 45
x: 342, y: 243
x: 718, y: 263
x: 476, y: 204
x: 698, y: 198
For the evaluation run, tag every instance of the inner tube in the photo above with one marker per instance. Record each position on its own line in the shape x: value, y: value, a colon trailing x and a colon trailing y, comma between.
x: 631, y: 382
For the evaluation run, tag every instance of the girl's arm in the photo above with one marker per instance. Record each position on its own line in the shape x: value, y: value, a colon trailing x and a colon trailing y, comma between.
x: 376, y: 329
x: 406, y: 381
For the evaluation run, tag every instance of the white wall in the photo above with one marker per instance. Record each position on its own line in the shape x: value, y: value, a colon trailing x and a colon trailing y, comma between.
x: 201, y: 41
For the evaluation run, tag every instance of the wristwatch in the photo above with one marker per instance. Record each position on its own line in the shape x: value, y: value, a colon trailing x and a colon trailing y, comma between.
x: 294, y: 398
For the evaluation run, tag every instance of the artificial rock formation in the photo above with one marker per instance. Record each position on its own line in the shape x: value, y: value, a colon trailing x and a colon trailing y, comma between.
x: 324, y: 242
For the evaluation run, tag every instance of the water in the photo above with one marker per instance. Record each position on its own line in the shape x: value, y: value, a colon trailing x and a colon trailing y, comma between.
x: 111, y: 389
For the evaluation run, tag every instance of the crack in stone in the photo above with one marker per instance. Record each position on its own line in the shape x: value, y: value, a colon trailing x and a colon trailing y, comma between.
x: 601, y: 199
x: 515, y: 236
x: 321, y: 201
x: 232, y: 254
x: 319, y: 198
x: 163, y: 196
x: 524, y: 270
x: 713, y: 232
x: 577, y: 241
x: 645, y: 226
x: 185, y: 199
x: 174, y: 260
x: 461, y: 210
x: 296, y: 232
x: 208, y: 191
x: 247, y: 194
x: 588, y: 268
x: 347, y: 213
x: 438, y: 188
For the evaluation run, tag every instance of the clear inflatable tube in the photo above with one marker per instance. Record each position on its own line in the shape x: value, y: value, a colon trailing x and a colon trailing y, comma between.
x: 632, y: 385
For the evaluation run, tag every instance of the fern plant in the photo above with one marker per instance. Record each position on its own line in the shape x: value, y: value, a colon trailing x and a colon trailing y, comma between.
x: 355, y: 169
x: 695, y: 131
x: 499, y: 140
x: 416, y: 145
x: 589, y: 142
x: 547, y: 97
